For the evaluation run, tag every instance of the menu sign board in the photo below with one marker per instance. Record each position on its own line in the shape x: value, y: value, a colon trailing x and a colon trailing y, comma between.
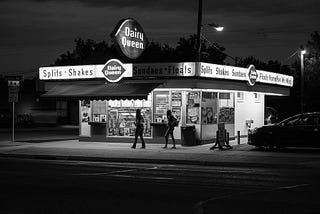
x: 251, y: 75
x: 117, y: 70
x: 183, y: 69
x: 130, y: 38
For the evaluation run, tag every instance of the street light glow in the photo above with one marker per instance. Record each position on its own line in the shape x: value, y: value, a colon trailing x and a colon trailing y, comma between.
x: 216, y: 27
x: 219, y: 28
x: 303, y: 52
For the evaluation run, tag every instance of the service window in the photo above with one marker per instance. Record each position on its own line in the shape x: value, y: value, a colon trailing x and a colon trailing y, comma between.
x: 209, y: 108
x: 226, y: 108
x: 161, y: 105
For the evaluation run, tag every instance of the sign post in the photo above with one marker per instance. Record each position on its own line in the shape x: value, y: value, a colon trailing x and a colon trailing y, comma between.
x: 12, y: 122
x: 13, y: 97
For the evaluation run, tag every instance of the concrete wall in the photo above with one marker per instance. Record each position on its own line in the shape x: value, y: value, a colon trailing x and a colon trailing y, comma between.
x: 248, y: 108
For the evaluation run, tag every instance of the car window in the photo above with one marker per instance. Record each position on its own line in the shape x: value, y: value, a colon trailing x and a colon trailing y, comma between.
x: 314, y: 120
x: 295, y: 121
x: 299, y: 120
x: 317, y: 120
x: 309, y: 120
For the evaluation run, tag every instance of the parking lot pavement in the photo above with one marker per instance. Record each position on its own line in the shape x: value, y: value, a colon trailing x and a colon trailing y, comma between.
x: 239, y: 155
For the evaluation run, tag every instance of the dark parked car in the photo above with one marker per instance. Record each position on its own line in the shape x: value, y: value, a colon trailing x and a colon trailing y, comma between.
x: 302, y: 130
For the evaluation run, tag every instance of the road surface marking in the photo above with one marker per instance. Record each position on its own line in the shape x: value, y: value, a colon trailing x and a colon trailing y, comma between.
x: 107, y: 173
x: 294, y: 186
x: 143, y: 177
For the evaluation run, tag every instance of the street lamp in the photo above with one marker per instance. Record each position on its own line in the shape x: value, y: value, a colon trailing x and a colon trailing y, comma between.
x: 302, y: 53
x: 215, y: 26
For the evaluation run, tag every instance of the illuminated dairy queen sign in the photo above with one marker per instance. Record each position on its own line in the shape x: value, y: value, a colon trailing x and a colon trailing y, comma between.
x: 113, y: 70
x: 252, y: 75
x: 130, y: 38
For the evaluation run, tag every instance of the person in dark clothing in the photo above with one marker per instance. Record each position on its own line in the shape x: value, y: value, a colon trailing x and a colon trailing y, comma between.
x: 139, y: 129
x: 170, y: 127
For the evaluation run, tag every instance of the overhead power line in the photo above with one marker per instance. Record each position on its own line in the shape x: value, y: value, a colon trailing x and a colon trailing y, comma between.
x: 217, y: 48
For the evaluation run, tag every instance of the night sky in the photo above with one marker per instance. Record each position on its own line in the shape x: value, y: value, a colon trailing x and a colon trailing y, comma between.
x: 35, y: 32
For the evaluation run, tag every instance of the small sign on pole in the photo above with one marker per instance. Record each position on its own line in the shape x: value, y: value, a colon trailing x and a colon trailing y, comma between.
x: 14, y: 83
x: 13, y: 95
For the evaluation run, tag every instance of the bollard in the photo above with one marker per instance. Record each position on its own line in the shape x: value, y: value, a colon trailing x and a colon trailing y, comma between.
x: 238, y: 137
x: 227, y: 138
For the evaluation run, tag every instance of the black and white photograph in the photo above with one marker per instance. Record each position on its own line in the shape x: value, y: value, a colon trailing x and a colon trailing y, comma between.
x: 159, y: 107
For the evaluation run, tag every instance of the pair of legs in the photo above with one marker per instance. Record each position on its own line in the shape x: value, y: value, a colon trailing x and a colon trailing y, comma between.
x: 169, y: 132
x: 138, y: 132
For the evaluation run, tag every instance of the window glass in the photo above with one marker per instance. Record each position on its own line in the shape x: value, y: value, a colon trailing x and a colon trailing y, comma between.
x: 176, y: 103
x: 226, y: 108
x: 317, y: 120
x: 122, y: 114
x: 209, y: 108
x: 313, y: 120
x: 297, y: 121
x: 85, y: 111
x: 193, y: 107
x: 161, y: 104
x: 99, y: 111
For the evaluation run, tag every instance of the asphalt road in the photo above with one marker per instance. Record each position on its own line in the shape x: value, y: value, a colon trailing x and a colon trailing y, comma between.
x: 53, y: 186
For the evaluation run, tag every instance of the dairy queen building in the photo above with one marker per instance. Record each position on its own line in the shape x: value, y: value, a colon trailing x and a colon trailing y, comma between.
x: 200, y: 95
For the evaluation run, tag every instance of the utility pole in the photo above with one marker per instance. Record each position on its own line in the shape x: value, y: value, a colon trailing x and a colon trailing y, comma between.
x: 302, y: 52
x: 198, y: 51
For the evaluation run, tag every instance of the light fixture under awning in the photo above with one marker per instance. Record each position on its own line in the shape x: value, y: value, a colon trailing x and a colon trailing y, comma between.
x: 100, y: 91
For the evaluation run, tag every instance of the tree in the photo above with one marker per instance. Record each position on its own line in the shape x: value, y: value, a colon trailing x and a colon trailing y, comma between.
x: 311, y: 77
x: 186, y: 51
x: 87, y: 52
x: 91, y: 52
x: 251, y: 60
x: 156, y: 52
x: 312, y: 73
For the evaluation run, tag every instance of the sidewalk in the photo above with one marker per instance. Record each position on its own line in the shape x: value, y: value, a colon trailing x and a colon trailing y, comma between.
x: 240, y: 155
x: 40, y: 134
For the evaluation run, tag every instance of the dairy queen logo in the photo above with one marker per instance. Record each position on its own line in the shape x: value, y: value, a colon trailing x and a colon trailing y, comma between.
x: 130, y: 38
x: 113, y: 70
x: 252, y: 75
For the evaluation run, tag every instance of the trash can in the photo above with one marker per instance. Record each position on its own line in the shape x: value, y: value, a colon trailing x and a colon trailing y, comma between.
x: 188, y: 136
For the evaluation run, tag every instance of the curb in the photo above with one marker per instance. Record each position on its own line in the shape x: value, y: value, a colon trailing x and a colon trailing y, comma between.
x: 47, y: 140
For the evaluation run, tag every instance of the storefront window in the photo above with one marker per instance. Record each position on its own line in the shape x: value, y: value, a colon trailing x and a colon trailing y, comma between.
x: 85, y: 111
x: 209, y: 108
x: 122, y: 114
x: 193, y: 106
x: 85, y: 117
x: 62, y: 109
x: 226, y: 108
x: 176, y: 103
x: 161, y: 102
x: 99, y: 111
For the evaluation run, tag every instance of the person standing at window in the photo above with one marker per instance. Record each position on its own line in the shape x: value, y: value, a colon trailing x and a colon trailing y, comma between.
x: 139, y: 129
x: 172, y: 122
